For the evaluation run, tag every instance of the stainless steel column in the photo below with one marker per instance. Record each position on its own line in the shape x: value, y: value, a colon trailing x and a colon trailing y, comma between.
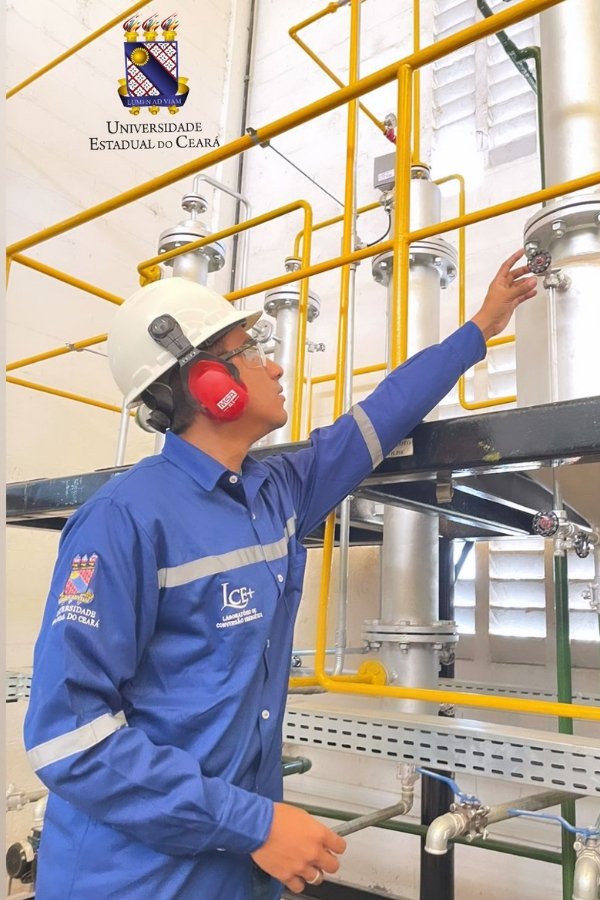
x: 408, y: 628
x: 569, y: 227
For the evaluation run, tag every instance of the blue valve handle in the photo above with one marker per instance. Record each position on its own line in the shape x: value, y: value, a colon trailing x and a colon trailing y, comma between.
x: 574, y: 829
x: 467, y: 799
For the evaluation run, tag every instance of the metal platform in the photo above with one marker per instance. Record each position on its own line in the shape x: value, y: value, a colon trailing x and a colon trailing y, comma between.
x: 468, y: 470
x: 537, y: 758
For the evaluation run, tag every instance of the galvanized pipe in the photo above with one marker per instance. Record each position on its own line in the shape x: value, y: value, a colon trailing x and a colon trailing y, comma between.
x: 410, y: 573
x: 243, y: 201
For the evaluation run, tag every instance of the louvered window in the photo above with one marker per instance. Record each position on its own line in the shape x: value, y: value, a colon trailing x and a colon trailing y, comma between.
x: 464, y: 591
x: 480, y: 100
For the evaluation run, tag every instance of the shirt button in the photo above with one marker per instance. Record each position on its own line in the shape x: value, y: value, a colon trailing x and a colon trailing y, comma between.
x: 253, y: 515
x: 280, y: 578
x: 233, y: 479
x: 268, y: 643
x: 265, y: 714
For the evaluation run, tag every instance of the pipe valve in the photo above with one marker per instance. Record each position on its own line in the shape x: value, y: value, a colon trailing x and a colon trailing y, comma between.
x: 538, y: 261
x: 546, y: 524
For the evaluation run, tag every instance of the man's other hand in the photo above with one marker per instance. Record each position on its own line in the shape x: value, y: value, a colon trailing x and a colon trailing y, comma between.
x: 299, y: 849
x: 509, y: 288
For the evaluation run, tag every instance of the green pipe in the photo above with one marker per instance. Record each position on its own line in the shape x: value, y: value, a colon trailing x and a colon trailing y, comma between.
x: 535, y: 54
x: 510, y: 48
x: 295, y: 765
x: 547, y: 856
x: 564, y: 695
x: 518, y: 57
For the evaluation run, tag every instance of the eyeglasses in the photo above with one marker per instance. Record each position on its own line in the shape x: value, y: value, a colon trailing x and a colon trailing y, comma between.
x: 252, y: 351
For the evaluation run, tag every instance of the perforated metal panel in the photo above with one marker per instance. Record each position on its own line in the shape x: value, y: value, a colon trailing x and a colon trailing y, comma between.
x: 476, y: 748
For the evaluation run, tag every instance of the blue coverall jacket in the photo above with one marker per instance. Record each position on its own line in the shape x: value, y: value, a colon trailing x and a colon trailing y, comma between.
x: 160, y: 672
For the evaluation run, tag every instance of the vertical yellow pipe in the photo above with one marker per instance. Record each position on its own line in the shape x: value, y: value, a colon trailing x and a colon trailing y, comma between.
x: 401, y: 264
x: 349, y: 211
x: 302, y: 318
x: 416, y: 137
x: 338, y: 401
x: 8, y: 263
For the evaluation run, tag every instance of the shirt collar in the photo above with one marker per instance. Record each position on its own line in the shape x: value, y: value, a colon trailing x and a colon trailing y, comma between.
x: 206, y: 470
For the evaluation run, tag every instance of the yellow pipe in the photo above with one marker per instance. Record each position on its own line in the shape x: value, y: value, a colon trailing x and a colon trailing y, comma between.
x: 497, y: 342
x: 508, y: 206
x: 327, y: 222
x: 416, y: 137
x: 8, y: 263
x: 349, y: 215
x: 398, y: 350
x: 67, y: 279
x: 58, y: 351
x: 228, y: 232
x: 449, y: 224
x: 363, y: 370
x: 293, y: 33
x: 68, y: 396
x: 482, y: 29
x: 301, y: 337
x: 481, y: 701
x: 76, y: 47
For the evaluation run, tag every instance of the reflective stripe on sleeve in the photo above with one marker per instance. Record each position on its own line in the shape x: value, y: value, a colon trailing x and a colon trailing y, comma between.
x: 176, y: 576
x: 76, y: 741
x: 369, y: 434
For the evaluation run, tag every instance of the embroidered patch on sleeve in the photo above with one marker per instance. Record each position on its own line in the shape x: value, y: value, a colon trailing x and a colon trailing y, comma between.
x: 78, y: 588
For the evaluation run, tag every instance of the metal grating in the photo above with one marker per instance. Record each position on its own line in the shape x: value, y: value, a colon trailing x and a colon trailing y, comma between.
x: 476, y: 748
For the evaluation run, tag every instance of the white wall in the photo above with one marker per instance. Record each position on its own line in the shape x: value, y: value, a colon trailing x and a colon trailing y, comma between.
x: 53, y: 174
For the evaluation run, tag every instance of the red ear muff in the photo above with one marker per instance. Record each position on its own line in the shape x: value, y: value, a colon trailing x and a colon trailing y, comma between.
x: 212, y: 384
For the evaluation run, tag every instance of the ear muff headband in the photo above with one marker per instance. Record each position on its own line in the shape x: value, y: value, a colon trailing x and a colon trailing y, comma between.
x: 210, y: 383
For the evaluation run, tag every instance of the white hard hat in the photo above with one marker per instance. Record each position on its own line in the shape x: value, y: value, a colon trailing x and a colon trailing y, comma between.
x: 135, y: 359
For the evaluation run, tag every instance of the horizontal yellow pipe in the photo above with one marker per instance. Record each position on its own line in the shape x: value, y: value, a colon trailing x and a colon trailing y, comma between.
x: 67, y: 279
x: 76, y: 47
x: 482, y: 29
x: 363, y: 370
x: 481, y: 404
x: 68, y: 396
x: 508, y: 206
x: 228, y: 232
x: 481, y: 701
x: 58, y: 351
x: 327, y: 222
x: 497, y: 342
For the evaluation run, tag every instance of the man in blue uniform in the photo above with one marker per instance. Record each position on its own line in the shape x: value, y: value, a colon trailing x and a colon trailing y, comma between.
x: 161, y: 669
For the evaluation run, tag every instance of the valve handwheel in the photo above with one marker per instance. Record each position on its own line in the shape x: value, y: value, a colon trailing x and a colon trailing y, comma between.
x: 539, y: 262
x: 545, y: 523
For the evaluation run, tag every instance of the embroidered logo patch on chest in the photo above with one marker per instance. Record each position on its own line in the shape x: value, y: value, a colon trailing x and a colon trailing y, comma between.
x: 237, y: 599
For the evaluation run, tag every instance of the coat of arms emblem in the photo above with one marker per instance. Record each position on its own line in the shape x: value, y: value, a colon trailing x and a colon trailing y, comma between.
x: 151, y: 68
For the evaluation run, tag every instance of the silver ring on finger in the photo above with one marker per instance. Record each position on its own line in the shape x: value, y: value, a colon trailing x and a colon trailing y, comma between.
x: 317, y: 879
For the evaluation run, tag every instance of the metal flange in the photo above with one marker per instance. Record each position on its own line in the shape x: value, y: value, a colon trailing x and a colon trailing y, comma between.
x: 434, y: 252
x: 186, y: 232
x: 289, y: 298
x: 442, y: 632
x: 559, y: 218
